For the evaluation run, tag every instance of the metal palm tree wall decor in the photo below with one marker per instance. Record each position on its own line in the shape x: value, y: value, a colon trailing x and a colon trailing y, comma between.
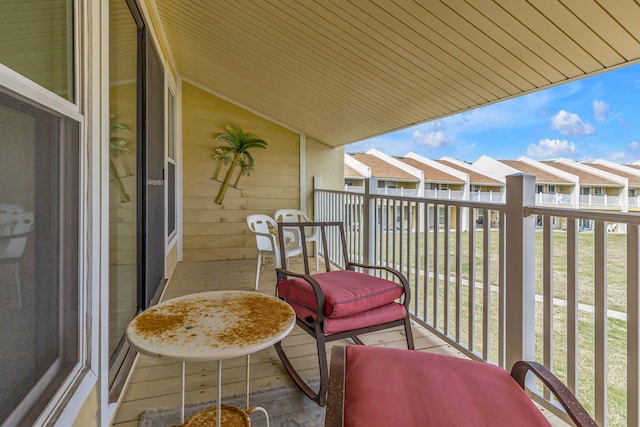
x: 237, y: 152
x: 117, y: 149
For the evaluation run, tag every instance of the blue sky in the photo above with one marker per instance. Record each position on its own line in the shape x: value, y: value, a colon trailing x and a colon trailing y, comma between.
x: 593, y: 118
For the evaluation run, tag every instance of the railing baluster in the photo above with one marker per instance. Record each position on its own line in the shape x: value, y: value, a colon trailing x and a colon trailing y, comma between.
x: 633, y: 325
x: 472, y: 278
x: 459, y: 211
x: 502, y: 264
x: 388, y: 233
x: 547, y: 295
x: 426, y: 262
x: 572, y: 305
x: 416, y: 293
x: 408, y: 257
x: 600, y: 338
x: 401, y: 241
x: 436, y: 265
x: 447, y: 268
x: 395, y: 237
x: 486, y: 283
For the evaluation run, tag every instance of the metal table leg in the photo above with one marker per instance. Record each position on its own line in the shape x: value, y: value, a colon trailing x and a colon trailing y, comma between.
x: 182, y: 394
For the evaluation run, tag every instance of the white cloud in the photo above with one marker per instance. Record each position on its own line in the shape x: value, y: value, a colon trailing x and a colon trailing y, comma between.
x: 435, y: 139
x: 617, y: 156
x: 549, y: 148
x: 600, y: 110
x: 570, y: 124
x: 634, y: 145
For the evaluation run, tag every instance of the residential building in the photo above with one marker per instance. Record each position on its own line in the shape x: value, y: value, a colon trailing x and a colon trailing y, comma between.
x: 599, y: 189
x: 391, y: 179
x: 632, y: 175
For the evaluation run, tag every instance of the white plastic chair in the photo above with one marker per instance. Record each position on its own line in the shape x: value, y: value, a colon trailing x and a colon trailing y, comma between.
x: 264, y: 227
x: 312, y: 234
x: 8, y: 212
x: 13, y: 241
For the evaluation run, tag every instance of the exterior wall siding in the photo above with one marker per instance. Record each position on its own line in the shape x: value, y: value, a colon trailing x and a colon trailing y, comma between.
x: 325, y: 162
x: 219, y: 232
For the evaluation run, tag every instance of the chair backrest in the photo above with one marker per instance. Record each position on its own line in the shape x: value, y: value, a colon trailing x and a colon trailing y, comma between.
x: 290, y: 215
x: 296, y: 215
x: 327, y: 231
x: 7, y: 215
x: 20, y: 226
x: 260, y: 223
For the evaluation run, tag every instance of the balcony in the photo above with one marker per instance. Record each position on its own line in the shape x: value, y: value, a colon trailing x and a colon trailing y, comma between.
x: 553, y: 199
x: 156, y: 384
x: 548, y: 295
x: 600, y: 200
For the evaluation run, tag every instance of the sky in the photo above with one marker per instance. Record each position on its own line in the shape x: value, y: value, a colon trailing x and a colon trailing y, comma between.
x: 592, y: 118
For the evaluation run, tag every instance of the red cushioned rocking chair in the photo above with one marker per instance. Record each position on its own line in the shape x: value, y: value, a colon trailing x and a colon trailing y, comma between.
x: 339, y: 304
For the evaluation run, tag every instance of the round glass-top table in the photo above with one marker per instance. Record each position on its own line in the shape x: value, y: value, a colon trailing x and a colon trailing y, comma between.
x: 211, y: 326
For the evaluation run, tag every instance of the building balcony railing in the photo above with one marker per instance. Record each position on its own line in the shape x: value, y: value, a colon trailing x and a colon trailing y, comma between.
x: 409, y: 192
x: 553, y: 199
x: 500, y: 290
x: 600, y: 200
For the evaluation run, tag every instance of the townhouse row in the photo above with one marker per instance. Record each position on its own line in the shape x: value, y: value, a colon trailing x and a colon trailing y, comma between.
x: 596, y: 185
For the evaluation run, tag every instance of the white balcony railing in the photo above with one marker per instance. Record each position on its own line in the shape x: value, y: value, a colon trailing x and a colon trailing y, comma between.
x: 487, y: 196
x: 444, y: 194
x: 553, y: 199
x: 409, y: 192
x: 558, y: 310
x: 600, y: 200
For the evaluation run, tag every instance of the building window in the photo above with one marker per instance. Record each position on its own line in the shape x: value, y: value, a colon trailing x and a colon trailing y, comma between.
x: 39, y: 256
x: 597, y: 190
x: 585, y: 191
x: 551, y: 189
x: 171, y: 166
x: 539, y: 188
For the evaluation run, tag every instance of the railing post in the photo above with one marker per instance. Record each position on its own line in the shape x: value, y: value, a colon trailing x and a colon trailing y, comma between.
x: 520, y: 270
x: 316, y: 198
x: 369, y: 222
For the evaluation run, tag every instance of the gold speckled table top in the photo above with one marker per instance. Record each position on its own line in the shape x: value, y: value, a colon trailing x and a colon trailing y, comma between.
x: 211, y: 326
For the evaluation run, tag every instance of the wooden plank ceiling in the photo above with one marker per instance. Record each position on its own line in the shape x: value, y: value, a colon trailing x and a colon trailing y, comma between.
x: 344, y: 70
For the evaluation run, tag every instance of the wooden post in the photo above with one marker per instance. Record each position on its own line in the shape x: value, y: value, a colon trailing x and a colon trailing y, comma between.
x: 520, y: 271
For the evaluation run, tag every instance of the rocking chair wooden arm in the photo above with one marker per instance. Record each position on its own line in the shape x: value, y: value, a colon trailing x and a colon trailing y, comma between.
x: 574, y: 408
x: 282, y: 274
x: 403, y: 280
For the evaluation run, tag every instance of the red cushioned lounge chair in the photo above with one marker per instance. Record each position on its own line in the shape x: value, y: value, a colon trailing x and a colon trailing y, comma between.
x: 378, y: 386
x: 338, y: 304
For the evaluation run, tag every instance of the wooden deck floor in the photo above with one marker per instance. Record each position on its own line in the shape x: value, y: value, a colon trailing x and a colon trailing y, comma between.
x: 156, y: 384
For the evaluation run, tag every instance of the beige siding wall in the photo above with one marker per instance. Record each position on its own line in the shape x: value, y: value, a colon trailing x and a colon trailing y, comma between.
x: 324, y: 162
x: 88, y: 415
x: 219, y: 232
x: 171, y: 261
